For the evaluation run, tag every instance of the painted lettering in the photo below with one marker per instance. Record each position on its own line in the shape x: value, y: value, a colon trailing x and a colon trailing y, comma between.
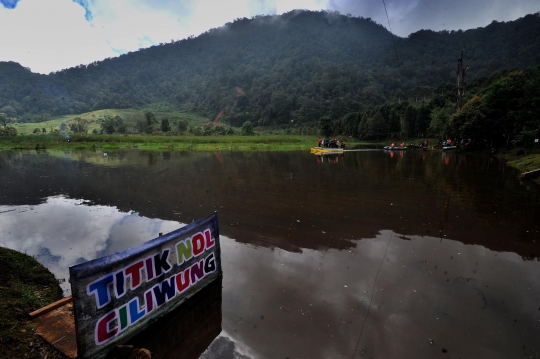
x: 183, y: 281
x: 103, y: 334
x: 134, y: 271
x: 100, y: 288
x: 161, y: 262
x: 119, y: 284
x: 197, y: 241
x: 197, y: 271
x: 123, y: 317
x: 209, y: 241
x: 149, y: 269
x: 149, y: 302
x: 183, y: 251
x: 134, y: 313
x: 164, y: 291
x: 209, y: 264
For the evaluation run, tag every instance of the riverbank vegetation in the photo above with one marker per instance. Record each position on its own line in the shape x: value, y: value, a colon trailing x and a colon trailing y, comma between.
x: 342, y: 80
x: 161, y: 143
x: 26, y: 286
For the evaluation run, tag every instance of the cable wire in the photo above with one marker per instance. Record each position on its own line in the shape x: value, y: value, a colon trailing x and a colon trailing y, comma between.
x: 391, y: 34
x: 372, y: 293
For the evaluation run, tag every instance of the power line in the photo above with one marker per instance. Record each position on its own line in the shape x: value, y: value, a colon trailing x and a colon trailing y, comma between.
x: 391, y: 34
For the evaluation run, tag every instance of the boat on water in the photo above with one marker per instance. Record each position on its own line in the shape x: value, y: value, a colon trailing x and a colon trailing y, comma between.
x: 326, y: 150
x: 395, y: 148
x: 446, y: 148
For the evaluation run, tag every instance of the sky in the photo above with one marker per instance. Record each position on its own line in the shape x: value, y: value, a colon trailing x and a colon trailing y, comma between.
x: 50, y: 35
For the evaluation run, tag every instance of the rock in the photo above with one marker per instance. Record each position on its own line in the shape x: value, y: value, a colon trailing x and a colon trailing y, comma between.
x: 140, y: 354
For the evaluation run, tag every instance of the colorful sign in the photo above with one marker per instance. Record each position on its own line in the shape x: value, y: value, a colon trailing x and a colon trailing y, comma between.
x: 116, y: 296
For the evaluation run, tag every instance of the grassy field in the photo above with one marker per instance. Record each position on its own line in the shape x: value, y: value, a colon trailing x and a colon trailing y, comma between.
x: 130, y: 116
x: 161, y: 143
x: 525, y: 163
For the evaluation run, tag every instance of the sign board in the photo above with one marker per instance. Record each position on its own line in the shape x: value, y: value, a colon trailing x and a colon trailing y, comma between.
x: 536, y: 140
x: 116, y: 296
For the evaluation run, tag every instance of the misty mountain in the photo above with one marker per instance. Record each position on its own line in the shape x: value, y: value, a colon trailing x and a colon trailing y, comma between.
x: 274, y: 69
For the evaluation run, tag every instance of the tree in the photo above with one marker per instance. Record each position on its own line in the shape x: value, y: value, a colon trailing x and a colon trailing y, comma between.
x: 376, y: 127
x: 9, y: 111
x: 408, y: 122
x: 79, y: 125
x: 182, y: 126
x: 146, y: 125
x: 325, y: 126
x: 472, y: 121
x: 165, y: 127
x: 4, y: 119
x: 247, y: 128
x: 110, y: 125
x: 423, y: 119
x: 8, y: 131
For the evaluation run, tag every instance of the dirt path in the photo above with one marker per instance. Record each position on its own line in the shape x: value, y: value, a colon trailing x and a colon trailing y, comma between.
x: 239, y: 92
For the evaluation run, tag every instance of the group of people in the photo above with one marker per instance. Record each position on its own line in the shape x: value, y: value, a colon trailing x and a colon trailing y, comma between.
x: 423, y: 143
x: 402, y: 144
x: 448, y: 143
x: 330, y: 143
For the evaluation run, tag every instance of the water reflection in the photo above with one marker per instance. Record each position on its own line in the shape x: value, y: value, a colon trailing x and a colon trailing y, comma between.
x: 189, y: 330
x: 429, y: 295
x: 440, y: 248
x: 62, y: 232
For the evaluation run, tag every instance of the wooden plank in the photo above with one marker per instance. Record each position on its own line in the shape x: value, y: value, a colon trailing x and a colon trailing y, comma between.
x: 57, y: 327
x: 50, y: 307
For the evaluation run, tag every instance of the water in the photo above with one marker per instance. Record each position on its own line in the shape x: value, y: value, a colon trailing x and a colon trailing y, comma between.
x: 369, y: 254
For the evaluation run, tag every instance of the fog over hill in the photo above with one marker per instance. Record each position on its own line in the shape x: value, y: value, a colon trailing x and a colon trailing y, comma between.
x: 274, y: 69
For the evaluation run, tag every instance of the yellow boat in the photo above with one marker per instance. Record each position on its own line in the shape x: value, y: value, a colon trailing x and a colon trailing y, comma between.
x: 326, y: 150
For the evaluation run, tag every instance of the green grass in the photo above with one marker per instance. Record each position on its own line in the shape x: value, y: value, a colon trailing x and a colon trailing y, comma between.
x: 30, y: 287
x: 158, y: 143
x: 525, y: 163
x: 130, y: 116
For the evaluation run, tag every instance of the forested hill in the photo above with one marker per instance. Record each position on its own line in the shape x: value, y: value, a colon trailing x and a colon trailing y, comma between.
x: 273, y: 69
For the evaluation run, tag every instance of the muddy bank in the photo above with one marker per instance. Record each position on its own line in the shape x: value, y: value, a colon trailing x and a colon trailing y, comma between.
x: 26, y: 286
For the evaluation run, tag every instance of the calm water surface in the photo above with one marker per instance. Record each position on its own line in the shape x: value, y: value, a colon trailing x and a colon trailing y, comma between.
x: 370, y: 254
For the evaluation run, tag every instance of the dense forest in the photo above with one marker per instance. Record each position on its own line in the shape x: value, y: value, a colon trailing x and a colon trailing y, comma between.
x: 294, y: 69
x: 499, y: 110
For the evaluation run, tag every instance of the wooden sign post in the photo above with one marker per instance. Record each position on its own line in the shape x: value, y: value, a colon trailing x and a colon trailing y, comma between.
x: 117, y: 296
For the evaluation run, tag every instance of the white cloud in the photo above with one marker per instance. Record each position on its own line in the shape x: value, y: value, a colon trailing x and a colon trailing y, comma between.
x: 61, y: 232
x: 50, y: 35
x: 54, y: 34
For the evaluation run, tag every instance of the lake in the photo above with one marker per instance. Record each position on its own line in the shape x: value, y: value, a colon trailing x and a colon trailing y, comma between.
x: 367, y: 254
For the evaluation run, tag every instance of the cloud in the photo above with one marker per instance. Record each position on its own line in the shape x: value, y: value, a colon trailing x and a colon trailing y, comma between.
x: 84, y: 3
x: 62, y: 232
x: 50, y: 35
x: 55, y: 34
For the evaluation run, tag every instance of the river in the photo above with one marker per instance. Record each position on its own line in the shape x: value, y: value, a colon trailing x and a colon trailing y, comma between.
x: 367, y: 254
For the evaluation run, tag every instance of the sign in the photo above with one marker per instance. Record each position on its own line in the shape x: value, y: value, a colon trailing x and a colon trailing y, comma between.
x: 536, y: 140
x: 116, y: 296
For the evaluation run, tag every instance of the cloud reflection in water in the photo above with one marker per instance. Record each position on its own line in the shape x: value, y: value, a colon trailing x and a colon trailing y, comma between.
x: 62, y: 232
x: 430, y: 294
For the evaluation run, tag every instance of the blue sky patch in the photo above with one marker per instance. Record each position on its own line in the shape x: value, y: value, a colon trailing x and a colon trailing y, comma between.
x: 86, y: 5
x: 9, y: 4
x: 118, y: 51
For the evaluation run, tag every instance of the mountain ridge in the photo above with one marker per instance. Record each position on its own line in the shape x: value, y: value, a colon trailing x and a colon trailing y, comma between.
x: 295, y: 67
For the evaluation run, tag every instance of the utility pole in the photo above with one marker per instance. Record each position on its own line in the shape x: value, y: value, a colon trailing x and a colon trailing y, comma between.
x: 461, y: 84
